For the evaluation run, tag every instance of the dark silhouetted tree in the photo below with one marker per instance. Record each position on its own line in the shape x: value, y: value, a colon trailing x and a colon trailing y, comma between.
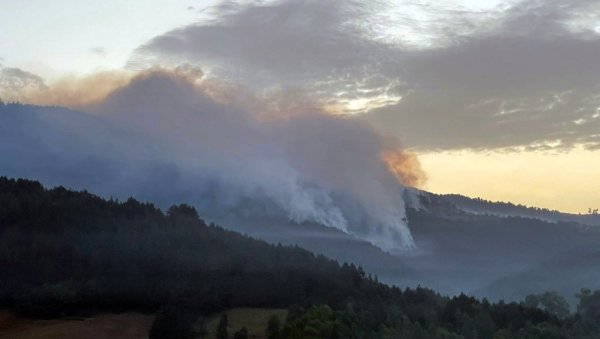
x: 172, y: 322
x: 551, y: 302
x: 222, y: 332
x: 241, y: 334
x: 273, y: 327
x: 589, y: 304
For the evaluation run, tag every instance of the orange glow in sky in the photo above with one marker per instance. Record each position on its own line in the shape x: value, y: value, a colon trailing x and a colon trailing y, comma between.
x: 568, y: 181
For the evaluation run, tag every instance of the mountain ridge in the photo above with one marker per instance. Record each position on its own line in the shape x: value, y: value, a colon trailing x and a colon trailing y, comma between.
x: 457, y: 250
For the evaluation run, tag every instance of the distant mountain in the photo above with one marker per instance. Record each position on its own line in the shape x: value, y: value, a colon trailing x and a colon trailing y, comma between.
x: 562, y: 273
x: 421, y: 198
x: 499, y: 256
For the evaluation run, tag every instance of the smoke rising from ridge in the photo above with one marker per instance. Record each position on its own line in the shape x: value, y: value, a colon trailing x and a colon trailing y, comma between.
x: 278, y: 148
x: 76, y: 92
x: 406, y: 167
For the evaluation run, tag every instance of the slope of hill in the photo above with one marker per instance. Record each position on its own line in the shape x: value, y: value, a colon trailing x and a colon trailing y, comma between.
x: 498, y: 208
x: 497, y: 256
x: 102, y: 326
x: 76, y: 249
x: 66, y: 252
x: 559, y: 273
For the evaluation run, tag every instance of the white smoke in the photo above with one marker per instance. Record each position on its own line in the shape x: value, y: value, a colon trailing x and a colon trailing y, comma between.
x: 173, y: 136
x: 315, y: 166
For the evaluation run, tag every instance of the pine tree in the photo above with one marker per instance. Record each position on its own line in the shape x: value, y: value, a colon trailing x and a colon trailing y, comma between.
x: 222, y: 327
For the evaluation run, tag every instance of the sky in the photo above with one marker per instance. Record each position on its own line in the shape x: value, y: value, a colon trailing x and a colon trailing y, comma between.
x: 51, y: 38
x: 499, y: 99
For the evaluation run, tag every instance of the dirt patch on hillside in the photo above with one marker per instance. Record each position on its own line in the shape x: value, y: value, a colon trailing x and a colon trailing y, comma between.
x: 104, y: 326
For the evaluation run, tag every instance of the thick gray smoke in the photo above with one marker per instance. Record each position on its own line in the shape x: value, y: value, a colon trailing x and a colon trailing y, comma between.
x: 312, y: 165
x: 182, y: 138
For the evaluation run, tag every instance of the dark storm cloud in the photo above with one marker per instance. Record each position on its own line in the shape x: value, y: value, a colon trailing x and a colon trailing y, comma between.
x: 526, y: 77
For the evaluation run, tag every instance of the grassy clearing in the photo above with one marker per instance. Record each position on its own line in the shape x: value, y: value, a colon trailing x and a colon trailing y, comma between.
x: 254, y: 319
x: 126, y: 325
x: 105, y: 326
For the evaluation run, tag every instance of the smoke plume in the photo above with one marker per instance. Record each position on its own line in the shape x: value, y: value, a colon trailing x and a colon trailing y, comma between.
x: 223, y: 146
x: 406, y: 167
x: 76, y: 92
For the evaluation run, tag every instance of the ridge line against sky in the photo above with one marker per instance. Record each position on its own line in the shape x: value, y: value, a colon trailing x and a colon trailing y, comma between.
x: 489, y: 88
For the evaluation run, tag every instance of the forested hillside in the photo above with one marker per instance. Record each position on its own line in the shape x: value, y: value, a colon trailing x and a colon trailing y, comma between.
x: 500, y: 208
x: 72, y: 253
x: 499, y: 257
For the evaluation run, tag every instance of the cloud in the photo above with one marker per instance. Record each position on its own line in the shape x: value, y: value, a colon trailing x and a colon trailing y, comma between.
x: 530, y: 84
x: 80, y: 91
x: 68, y: 91
x: 15, y: 81
x: 99, y: 51
x: 302, y: 44
x: 522, y: 75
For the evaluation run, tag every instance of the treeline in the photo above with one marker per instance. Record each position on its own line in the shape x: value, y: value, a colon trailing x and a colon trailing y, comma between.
x: 73, y: 253
x: 67, y: 252
x: 497, y: 206
x: 460, y: 317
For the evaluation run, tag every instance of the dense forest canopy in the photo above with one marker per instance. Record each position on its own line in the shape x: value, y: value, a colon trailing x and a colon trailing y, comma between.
x: 65, y: 252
